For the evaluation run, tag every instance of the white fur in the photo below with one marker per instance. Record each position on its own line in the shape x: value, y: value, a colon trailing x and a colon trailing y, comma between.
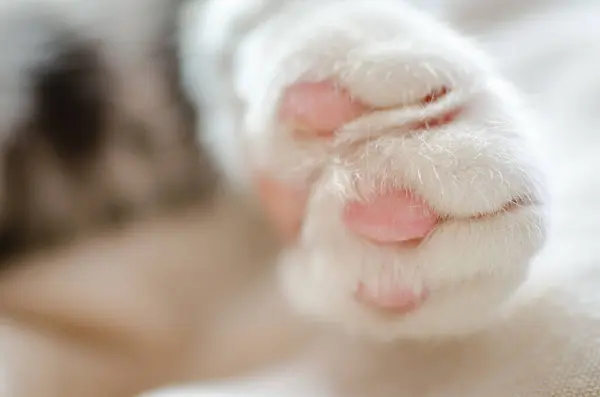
x: 489, y: 281
x: 389, y: 55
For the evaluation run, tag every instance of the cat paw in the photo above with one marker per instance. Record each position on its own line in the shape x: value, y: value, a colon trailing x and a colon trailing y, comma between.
x: 424, y: 203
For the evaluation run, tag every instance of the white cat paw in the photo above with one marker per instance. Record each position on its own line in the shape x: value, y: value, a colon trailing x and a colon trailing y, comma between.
x: 425, y: 199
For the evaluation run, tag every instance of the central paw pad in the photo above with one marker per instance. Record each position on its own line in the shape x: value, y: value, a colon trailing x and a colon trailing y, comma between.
x: 396, y: 217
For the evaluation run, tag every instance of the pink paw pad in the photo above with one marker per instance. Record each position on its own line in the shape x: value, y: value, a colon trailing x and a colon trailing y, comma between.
x: 396, y: 299
x: 388, y: 218
x: 317, y: 110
